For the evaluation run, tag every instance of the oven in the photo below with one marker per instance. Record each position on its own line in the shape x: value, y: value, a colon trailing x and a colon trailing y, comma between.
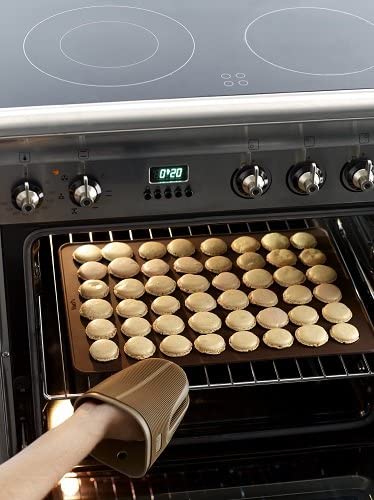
x: 300, y: 428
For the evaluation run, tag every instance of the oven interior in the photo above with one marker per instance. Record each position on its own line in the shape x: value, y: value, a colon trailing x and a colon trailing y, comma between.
x: 249, y: 424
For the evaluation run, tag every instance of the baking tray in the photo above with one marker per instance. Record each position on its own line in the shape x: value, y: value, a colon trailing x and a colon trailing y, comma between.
x: 79, y: 342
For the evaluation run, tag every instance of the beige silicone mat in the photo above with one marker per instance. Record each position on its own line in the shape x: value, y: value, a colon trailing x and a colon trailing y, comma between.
x: 79, y: 343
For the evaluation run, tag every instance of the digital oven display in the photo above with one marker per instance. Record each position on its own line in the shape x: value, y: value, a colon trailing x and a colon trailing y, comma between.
x: 168, y: 174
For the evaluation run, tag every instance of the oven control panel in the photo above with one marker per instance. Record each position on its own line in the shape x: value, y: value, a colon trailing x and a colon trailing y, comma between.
x: 266, y: 184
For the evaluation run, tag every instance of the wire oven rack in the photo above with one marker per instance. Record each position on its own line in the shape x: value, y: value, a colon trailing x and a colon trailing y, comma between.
x: 59, y: 384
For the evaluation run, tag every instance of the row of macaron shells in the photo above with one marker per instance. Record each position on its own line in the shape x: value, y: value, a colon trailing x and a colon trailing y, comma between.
x: 243, y: 294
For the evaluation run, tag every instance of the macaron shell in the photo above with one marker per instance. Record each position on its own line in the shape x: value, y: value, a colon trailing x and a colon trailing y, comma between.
x: 244, y: 244
x: 336, y: 312
x: 87, y: 253
x: 152, y: 250
x: 272, y: 317
x: 233, y: 300
x: 321, y: 274
x: 93, y: 289
x: 181, y: 247
x: 210, y: 343
x: 327, y: 293
x: 303, y: 315
x: 191, y: 283
x: 116, y: 249
x: 96, y: 309
x: 297, y: 294
x: 100, y: 329
x: 345, y: 333
x: 244, y: 341
x: 278, y: 338
x: 129, y: 308
x: 288, y: 275
x: 281, y: 257
x: 155, y: 267
x: 205, y: 322
x: 312, y: 256
x: 104, y: 350
x: 123, y: 267
x: 273, y: 241
x: 312, y: 335
x: 168, y: 324
x: 226, y: 281
x: 92, y: 271
x: 129, y: 288
x: 188, y: 265
x: 263, y: 297
x: 213, y: 246
x: 218, y: 264
x: 136, y: 327
x: 302, y: 240
x: 240, y: 320
x: 200, y: 302
x: 175, y: 346
x: 139, y: 348
x: 165, y: 305
x: 250, y: 260
x: 257, y: 278
x: 160, y: 285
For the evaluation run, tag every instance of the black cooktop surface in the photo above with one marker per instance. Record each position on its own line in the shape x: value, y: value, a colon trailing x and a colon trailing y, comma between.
x: 66, y: 51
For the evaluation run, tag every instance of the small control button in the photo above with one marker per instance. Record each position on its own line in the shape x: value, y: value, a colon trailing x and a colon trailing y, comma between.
x: 188, y: 192
x: 167, y: 193
x: 157, y: 194
x: 147, y: 194
x: 178, y: 192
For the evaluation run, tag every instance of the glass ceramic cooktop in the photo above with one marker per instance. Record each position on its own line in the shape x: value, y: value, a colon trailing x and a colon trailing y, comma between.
x: 65, y: 52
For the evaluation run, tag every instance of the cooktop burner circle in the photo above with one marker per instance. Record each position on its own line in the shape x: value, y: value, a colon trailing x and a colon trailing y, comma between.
x: 109, y: 46
x: 120, y: 33
x: 300, y: 40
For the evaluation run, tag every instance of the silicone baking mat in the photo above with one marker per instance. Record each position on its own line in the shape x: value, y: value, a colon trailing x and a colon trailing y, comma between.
x: 79, y: 342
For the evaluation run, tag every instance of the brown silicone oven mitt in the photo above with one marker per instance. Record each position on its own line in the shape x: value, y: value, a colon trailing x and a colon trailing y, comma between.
x: 155, y: 393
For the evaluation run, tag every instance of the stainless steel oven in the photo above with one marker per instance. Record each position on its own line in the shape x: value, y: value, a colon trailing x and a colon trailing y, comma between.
x: 134, y: 122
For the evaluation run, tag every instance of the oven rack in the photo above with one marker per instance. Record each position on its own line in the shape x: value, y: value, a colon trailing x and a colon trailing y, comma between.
x: 59, y: 384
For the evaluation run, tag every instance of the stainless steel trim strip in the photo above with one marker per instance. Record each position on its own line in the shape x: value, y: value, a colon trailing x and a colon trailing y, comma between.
x: 186, y: 113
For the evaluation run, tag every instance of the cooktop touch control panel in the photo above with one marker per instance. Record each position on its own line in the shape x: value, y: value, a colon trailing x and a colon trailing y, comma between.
x: 260, y: 185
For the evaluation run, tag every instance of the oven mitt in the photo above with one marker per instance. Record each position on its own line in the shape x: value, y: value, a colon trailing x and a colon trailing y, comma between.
x: 155, y: 393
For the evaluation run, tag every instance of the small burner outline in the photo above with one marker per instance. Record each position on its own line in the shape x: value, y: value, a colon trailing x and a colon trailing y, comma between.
x: 115, y: 85
x: 109, y: 67
x: 298, y: 71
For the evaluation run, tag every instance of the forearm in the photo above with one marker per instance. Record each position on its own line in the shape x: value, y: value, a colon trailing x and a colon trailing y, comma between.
x: 32, y: 473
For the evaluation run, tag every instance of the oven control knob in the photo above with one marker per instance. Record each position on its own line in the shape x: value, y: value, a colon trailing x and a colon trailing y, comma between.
x: 251, y: 181
x: 306, y: 178
x: 359, y: 174
x: 85, y: 191
x: 27, y: 197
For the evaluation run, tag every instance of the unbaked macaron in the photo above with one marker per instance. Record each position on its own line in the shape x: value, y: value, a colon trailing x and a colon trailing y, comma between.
x: 211, y: 343
x: 175, y: 346
x: 327, y: 293
x: 200, y: 302
x: 272, y: 317
x: 116, y: 249
x: 278, y: 338
x: 87, y: 253
x: 257, y: 278
x: 273, y: 241
x: 204, y: 322
x: 92, y: 271
x: 240, y: 320
x: 345, y: 333
x: 168, y: 324
x: 312, y: 335
x: 100, y: 329
x: 123, y: 267
x: 218, y: 264
x: 312, y: 256
x: 188, y: 265
x: 213, y: 246
x: 297, y: 294
x: 152, y: 250
x: 226, y: 281
x: 244, y: 341
x: 93, y: 289
x: 288, y: 275
x: 244, y: 244
x: 181, y: 247
x: 104, y: 350
x: 263, y: 297
x: 303, y: 240
x: 139, y: 348
x: 336, y: 312
x: 281, y: 257
x: 233, y: 300
x: 250, y: 260
x: 130, y: 308
x: 191, y: 283
x: 321, y: 274
x: 303, y: 315
x: 165, y: 304
x: 155, y: 267
x: 136, y: 327
x: 129, y: 288
x: 96, y: 309
x: 160, y: 285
